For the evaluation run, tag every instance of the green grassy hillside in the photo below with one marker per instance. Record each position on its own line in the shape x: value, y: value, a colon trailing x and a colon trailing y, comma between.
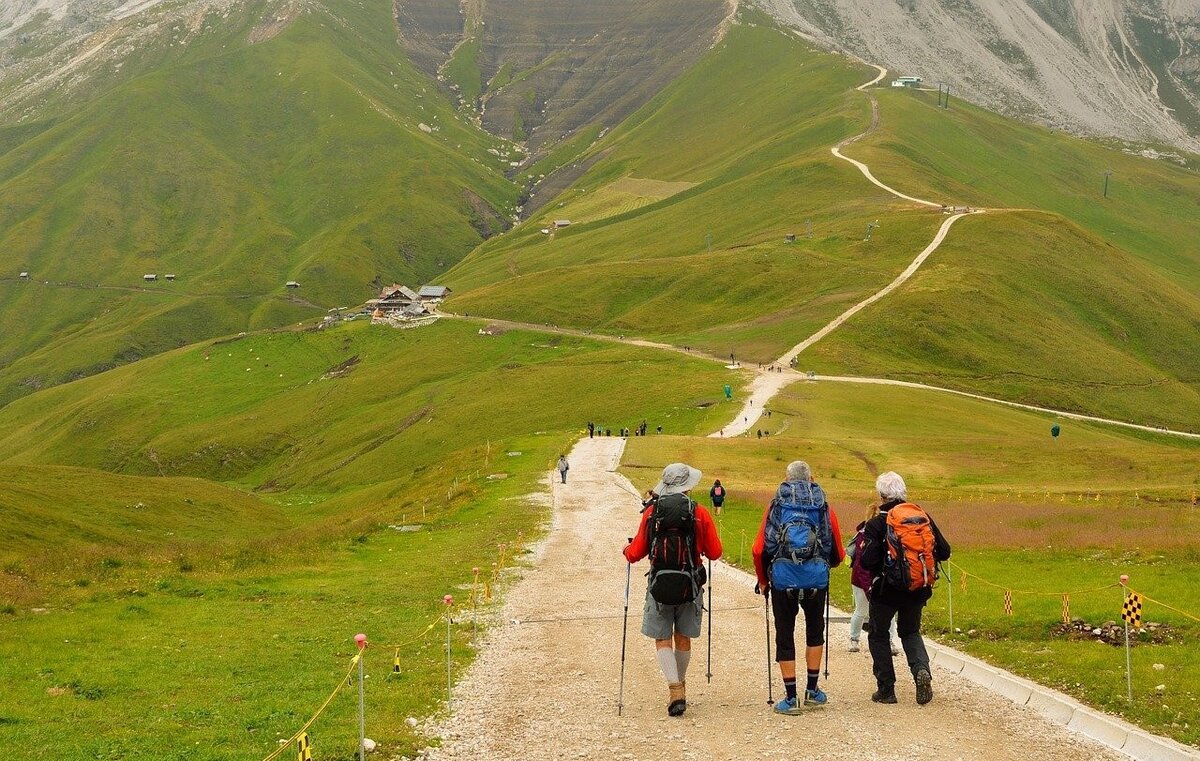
x: 1029, y: 307
x: 959, y: 449
x: 1089, y: 307
x: 976, y: 157
x: 1023, y: 511
x: 78, y: 509
x: 744, y: 140
x: 236, y: 167
x: 358, y: 420
x: 200, y: 534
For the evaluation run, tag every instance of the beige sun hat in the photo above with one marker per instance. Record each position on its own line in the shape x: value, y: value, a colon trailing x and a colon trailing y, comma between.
x: 677, y: 478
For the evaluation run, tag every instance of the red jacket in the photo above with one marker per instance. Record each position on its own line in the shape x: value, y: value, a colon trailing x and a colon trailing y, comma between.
x: 837, y: 553
x: 708, y: 543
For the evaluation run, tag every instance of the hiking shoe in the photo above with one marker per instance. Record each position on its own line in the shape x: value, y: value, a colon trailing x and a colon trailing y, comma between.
x: 924, y: 687
x: 678, y: 702
x: 882, y: 696
x: 788, y: 707
x: 815, y: 697
x: 853, y: 646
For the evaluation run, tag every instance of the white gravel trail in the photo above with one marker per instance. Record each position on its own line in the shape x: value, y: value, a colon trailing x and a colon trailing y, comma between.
x: 549, y: 690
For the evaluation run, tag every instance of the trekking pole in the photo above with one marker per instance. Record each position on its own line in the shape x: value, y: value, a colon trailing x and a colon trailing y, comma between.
x: 624, y: 633
x: 826, y: 633
x: 708, y: 676
x: 767, y: 618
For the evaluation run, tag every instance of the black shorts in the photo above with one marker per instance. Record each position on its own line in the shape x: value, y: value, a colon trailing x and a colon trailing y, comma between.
x: 786, y: 605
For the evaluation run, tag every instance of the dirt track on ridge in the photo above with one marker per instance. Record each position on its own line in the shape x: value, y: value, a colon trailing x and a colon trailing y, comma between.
x: 549, y: 690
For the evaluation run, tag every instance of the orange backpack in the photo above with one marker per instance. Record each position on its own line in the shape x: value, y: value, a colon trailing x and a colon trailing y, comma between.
x: 910, y: 563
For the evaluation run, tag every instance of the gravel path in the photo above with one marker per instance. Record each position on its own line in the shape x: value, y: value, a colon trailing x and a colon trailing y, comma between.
x: 549, y: 690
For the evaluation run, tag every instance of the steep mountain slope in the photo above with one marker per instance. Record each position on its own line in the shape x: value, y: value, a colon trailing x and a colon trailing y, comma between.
x: 543, y: 70
x: 734, y: 156
x: 280, y: 141
x: 1086, y: 303
x: 1117, y: 68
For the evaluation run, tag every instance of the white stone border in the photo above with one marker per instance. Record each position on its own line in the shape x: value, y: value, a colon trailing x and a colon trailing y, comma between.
x: 1052, y: 705
x: 1061, y: 709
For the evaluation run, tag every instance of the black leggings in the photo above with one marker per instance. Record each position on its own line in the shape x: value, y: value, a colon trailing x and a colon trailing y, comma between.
x: 786, y: 605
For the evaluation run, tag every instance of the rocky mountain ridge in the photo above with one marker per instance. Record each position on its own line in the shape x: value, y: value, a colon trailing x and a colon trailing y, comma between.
x: 1125, y: 69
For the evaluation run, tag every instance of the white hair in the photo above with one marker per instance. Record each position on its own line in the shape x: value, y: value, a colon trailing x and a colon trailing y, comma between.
x: 891, y: 486
x: 799, y: 471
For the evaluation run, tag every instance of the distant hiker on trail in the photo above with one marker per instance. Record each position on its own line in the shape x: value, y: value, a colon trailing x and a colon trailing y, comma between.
x: 901, y: 548
x: 860, y: 588
x: 798, y: 543
x: 717, y: 495
x: 563, y: 467
x: 591, y: 429
x: 675, y: 532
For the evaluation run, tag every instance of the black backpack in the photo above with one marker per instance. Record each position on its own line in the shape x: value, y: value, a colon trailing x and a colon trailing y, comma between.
x: 674, y: 578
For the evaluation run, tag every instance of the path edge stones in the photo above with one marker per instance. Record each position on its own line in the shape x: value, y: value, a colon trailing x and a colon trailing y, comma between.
x: 1052, y: 705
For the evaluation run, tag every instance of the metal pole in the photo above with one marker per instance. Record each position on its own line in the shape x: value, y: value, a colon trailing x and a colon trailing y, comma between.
x: 708, y: 676
x: 624, y: 635
x: 362, y: 712
x: 827, y: 633
x: 767, y: 618
x: 475, y: 602
x: 361, y: 641
x: 950, y: 591
x: 1128, y: 663
x: 449, y: 601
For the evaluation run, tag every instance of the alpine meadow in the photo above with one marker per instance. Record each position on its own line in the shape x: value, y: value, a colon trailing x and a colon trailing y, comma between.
x: 325, y: 318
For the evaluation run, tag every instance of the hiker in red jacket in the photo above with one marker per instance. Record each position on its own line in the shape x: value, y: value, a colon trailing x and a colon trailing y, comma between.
x: 676, y: 533
x: 798, y: 543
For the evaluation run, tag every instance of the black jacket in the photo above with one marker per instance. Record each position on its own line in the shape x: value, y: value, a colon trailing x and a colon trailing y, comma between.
x: 874, y: 553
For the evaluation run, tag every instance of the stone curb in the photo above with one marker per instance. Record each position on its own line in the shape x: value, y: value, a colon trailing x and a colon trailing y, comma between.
x: 1052, y: 705
x: 1061, y: 709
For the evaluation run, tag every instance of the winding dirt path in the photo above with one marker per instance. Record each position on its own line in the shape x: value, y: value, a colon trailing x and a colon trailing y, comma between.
x: 1005, y: 402
x: 837, y: 149
x: 549, y: 689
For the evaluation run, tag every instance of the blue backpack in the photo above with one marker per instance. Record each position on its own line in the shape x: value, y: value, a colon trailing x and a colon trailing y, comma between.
x: 799, y: 537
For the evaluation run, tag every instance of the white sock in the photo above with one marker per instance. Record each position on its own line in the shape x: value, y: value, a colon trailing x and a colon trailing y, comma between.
x: 667, y: 662
x: 682, y: 659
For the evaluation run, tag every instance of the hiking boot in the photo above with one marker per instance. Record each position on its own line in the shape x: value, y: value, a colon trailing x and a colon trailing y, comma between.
x: 853, y: 646
x: 815, y: 697
x: 788, y: 707
x: 884, y: 696
x: 924, y: 682
x: 678, y: 702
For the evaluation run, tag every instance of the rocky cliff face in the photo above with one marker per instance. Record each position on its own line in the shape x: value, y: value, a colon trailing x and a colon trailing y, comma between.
x: 1128, y: 69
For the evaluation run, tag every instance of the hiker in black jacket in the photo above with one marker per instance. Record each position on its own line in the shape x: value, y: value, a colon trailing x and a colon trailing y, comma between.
x: 889, y: 600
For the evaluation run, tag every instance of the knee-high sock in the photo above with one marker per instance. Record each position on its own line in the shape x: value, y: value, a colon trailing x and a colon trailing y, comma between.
x: 682, y: 659
x: 666, y: 662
